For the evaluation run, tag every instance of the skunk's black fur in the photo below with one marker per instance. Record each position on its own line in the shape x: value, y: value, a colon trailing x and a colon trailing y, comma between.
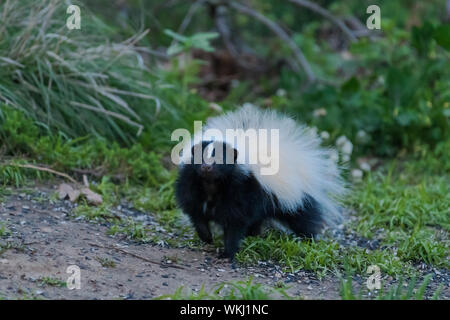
x: 223, y: 194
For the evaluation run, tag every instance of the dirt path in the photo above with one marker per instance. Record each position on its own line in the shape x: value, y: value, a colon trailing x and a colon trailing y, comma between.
x: 44, y: 240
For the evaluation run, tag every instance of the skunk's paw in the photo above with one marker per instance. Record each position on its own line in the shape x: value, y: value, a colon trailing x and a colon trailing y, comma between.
x: 225, y: 255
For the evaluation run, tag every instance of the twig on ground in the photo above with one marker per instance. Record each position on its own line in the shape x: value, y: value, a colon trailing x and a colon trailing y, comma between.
x: 136, y: 256
x: 39, y: 168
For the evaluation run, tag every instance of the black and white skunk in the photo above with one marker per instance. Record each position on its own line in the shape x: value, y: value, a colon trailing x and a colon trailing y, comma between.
x: 301, y: 194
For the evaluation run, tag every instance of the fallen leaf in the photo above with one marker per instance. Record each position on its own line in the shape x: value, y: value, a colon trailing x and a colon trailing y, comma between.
x: 92, y: 197
x: 65, y: 190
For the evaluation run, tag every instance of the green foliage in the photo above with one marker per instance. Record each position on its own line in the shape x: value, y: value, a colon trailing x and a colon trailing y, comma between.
x: 236, y: 290
x: 395, y: 292
x: 408, y: 217
x: 410, y: 214
x: 397, y: 92
x: 105, y: 262
x: 3, y: 230
x: 76, y: 82
x: 322, y: 257
x: 22, y: 138
x: 53, y: 282
x: 197, y: 41
x: 132, y: 229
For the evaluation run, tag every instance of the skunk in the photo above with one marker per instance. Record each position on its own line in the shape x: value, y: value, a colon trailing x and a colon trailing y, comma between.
x: 227, y: 188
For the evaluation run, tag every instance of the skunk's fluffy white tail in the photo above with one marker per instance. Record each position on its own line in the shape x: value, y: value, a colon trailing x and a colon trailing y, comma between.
x: 304, y: 167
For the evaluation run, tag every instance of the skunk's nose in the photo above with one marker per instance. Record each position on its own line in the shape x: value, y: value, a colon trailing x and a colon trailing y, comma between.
x: 206, y: 168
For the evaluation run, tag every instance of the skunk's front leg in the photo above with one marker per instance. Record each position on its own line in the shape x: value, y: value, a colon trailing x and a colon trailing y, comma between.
x: 233, y: 236
x: 202, y: 227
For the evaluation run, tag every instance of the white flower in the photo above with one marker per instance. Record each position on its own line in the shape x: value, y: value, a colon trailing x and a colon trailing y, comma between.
x: 214, y: 106
x: 321, y: 112
x: 281, y: 92
x: 325, y: 135
x: 362, y: 136
x: 341, y: 140
x: 345, y: 158
x: 365, y: 166
x: 347, y: 148
x: 344, y: 145
x: 357, y: 174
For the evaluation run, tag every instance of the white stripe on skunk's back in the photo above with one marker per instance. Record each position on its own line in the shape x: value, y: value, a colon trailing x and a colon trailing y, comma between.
x: 305, y: 168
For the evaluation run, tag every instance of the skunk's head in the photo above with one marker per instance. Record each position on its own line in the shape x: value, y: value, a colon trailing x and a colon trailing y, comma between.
x: 214, y: 161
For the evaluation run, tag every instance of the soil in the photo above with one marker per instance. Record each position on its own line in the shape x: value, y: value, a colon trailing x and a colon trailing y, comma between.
x: 45, y: 239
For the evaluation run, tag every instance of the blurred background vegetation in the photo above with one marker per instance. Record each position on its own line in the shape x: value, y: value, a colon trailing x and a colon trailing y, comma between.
x: 139, y: 69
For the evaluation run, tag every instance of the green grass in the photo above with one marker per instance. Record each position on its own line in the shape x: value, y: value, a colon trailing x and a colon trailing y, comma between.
x: 10, y: 245
x: 4, y: 232
x: 323, y: 257
x: 249, y: 290
x: 96, y: 156
x: 53, y: 282
x: 53, y: 73
x: 400, y: 291
x: 105, y: 262
x: 404, y: 206
x: 235, y: 290
x: 133, y: 230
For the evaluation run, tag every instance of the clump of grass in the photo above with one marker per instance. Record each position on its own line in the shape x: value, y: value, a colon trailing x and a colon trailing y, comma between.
x: 105, y: 262
x: 322, y: 257
x: 396, y: 292
x: 235, y: 290
x: 403, y: 207
x: 4, y: 232
x: 54, y: 282
x: 133, y: 230
x: 408, y: 211
x: 393, y: 203
x: 72, y: 155
x: 99, y: 214
x: 11, y: 245
x: 73, y: 80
